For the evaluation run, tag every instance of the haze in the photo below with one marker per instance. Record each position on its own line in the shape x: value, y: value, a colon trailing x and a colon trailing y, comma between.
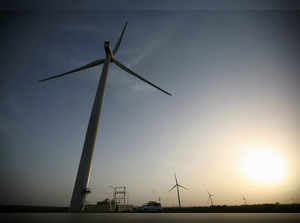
x: 234, y: 76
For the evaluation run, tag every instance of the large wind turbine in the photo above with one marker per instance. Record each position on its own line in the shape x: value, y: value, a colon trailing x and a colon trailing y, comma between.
x: 82, y: 180
x: 177, y: 187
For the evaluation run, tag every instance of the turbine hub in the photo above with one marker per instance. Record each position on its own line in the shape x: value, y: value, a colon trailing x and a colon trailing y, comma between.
x: 108, y: 50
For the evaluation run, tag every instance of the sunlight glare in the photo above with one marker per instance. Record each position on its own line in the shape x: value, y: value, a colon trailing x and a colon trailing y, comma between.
x: 264, y: 166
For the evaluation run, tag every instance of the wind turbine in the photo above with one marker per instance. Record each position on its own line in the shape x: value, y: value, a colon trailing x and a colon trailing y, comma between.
x: 244, y: 199
x: 82, y: 180
x: 210, y: 195
x: 177, y: 187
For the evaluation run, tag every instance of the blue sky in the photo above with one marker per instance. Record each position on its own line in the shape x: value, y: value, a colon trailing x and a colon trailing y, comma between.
x: 235, y: 80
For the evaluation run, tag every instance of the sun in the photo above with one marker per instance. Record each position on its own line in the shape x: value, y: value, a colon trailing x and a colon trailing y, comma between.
x: 264, y: 166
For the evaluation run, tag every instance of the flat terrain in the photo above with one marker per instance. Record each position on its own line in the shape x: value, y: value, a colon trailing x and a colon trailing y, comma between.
x: 150, y: 217
x: 258, y: 208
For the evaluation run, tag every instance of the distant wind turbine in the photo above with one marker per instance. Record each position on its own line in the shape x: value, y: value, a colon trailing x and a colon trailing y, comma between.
x: 177, y: 187
x: 82, y: 180
x: 210, y: 195
x: 245, y: 200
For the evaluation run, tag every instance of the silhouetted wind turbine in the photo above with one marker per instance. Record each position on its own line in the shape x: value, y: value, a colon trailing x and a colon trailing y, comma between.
x: 210, y: 195
x: 177, y: 187
x: 82, y: 180
x: 245, y: 200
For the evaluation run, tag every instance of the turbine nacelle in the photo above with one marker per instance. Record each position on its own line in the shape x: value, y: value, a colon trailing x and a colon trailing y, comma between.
x: 108, y: 50
x: 110, y: 56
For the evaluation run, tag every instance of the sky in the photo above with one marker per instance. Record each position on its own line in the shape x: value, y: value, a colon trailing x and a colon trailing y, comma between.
x: 233, y: 70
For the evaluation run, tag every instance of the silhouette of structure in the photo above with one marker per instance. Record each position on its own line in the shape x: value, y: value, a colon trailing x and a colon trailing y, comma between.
x: 177, y: 187
x: 245, y: 200
x: 82, y: 180
x: 120, y: 195
x: 210, y: 195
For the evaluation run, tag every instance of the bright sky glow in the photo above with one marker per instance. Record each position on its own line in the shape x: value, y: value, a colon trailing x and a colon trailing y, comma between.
x: 264, y: 166
x: 234, y: 76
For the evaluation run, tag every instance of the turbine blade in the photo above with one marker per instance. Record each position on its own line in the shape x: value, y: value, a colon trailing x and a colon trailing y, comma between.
x: 89, y: 65
x: 138, y: 76
x: 182, y: 187
x: 172, y: 187
x: 120, y: 39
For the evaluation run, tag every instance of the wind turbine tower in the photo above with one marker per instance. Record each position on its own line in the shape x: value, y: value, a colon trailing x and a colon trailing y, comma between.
x: 177, y: 187
x: 210, y: 195
x: 245, y: 200
x: 82, y: 180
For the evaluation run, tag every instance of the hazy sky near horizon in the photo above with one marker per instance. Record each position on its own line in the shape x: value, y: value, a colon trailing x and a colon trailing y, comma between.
x: 235, y: 79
